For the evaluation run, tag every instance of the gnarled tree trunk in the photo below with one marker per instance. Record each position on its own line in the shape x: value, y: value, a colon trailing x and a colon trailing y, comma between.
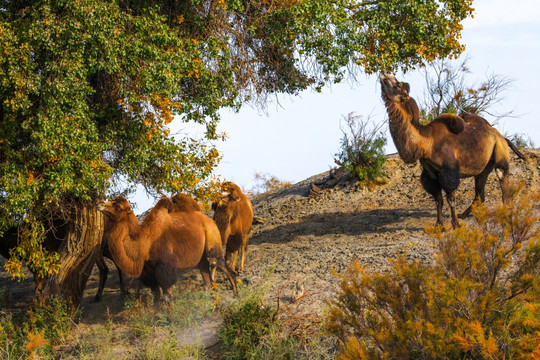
x: 78, y: 253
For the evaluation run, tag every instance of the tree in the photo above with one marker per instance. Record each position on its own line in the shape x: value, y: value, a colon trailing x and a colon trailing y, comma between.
x: 88, y: 88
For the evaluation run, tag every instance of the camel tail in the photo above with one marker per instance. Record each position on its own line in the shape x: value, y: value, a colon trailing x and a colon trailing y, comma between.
x: 515, y: 149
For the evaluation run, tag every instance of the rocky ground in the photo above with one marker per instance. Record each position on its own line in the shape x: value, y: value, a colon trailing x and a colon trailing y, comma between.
x: 308, y: 229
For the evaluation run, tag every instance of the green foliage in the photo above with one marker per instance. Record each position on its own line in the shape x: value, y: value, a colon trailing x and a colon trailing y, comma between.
x: 479, y: 300
x: 244, y: 327
x: 362, y: 150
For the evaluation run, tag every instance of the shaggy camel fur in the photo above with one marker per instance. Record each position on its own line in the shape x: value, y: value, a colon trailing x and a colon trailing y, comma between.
x: 449, y: 148
x: 233, y: 214
x: 166, y: 243
x: 54, y: 236
x: 184, y: 202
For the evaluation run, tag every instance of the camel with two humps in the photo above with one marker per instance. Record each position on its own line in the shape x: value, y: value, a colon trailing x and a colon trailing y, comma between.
x: 449, y: 148
x: 167, y: 242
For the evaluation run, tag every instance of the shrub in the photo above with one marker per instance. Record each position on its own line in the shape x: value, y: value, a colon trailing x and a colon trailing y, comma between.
x: 362, y: 149
x: 267, y: 182
x: 480, y: 299
x: 521, y: 140
x: 252, y: 329
x: 244, y: 327
x: 46, y: 324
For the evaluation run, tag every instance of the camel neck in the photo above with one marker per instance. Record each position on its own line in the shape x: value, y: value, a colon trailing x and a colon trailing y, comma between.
x: 406, y: 130
x: 126, y: 249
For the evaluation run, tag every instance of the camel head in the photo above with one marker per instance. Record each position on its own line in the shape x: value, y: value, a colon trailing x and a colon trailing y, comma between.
x: 392, y: 89
x: 117, y: 209
x: 229, y: 193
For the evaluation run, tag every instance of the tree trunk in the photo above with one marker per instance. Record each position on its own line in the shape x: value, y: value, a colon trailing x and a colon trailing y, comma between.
x: 78, y: 253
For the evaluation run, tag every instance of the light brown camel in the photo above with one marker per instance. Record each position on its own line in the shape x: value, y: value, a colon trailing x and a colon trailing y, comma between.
x: 449, y: 148
x: 233, y: 214
x: 165, y: 244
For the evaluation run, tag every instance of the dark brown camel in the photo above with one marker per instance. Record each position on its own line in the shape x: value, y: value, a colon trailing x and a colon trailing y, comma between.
x: 449, y: 148
x: 167, y: 242
x: 233, y: 214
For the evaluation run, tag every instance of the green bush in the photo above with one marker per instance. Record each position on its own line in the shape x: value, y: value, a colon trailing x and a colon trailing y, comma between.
x: 479, y: 300
x: 362, y: 150
x: 244, y: 327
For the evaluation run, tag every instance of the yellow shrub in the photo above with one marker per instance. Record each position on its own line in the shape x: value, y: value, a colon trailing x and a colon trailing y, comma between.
x: 480, y: 299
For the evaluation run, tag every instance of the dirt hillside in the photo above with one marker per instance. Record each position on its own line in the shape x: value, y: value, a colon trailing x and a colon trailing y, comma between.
x: 326, y: 221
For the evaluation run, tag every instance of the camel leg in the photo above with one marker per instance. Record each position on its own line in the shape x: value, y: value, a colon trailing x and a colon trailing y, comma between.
x: 103, y: 273
x: 479, y: 189
x: 234, y: 244
x: 502, y: 173
x: 167, y: 295
x: 451, y: 198
x: 433, y: 187
x: 449, y: 180
x: 231, y: 275
x: 156, y: 291
x: 234, y: 258
x: 244, y: 252
x: 204, y: 268
x: 123, y: 287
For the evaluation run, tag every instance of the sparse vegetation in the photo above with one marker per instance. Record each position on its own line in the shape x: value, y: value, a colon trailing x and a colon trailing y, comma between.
x: 255, y: 329
x: 362, y: 149
x: 479, y: 300
x: 521, y: 140
x: 142, y: 332
x: 46, y: 325
x: 267, y: 182
x: 448, y: 90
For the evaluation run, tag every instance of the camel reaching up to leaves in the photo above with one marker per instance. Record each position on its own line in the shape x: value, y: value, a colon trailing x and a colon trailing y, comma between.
x: 449, y: 148
x: 166, y: 243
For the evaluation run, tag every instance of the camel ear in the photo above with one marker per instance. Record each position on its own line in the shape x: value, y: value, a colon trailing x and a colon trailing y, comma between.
x: 407, y: 87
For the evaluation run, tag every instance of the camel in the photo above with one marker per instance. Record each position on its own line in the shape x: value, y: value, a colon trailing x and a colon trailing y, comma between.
x: 449, y: 148
x: 233, y: 214
x: 167, y: 242
x: 54, y: 237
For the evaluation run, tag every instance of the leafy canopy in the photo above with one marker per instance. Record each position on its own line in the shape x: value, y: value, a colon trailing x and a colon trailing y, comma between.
x: 89, y: 88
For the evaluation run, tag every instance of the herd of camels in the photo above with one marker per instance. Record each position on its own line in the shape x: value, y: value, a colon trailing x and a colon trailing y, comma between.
x: 176, y: 236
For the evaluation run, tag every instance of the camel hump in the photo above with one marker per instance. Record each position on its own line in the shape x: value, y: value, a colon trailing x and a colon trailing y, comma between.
x: 164, y: 203
x: 454, y: 123
x: 184, y: 202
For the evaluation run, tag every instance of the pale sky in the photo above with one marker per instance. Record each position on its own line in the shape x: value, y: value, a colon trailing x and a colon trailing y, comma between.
x: 300, y: 137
